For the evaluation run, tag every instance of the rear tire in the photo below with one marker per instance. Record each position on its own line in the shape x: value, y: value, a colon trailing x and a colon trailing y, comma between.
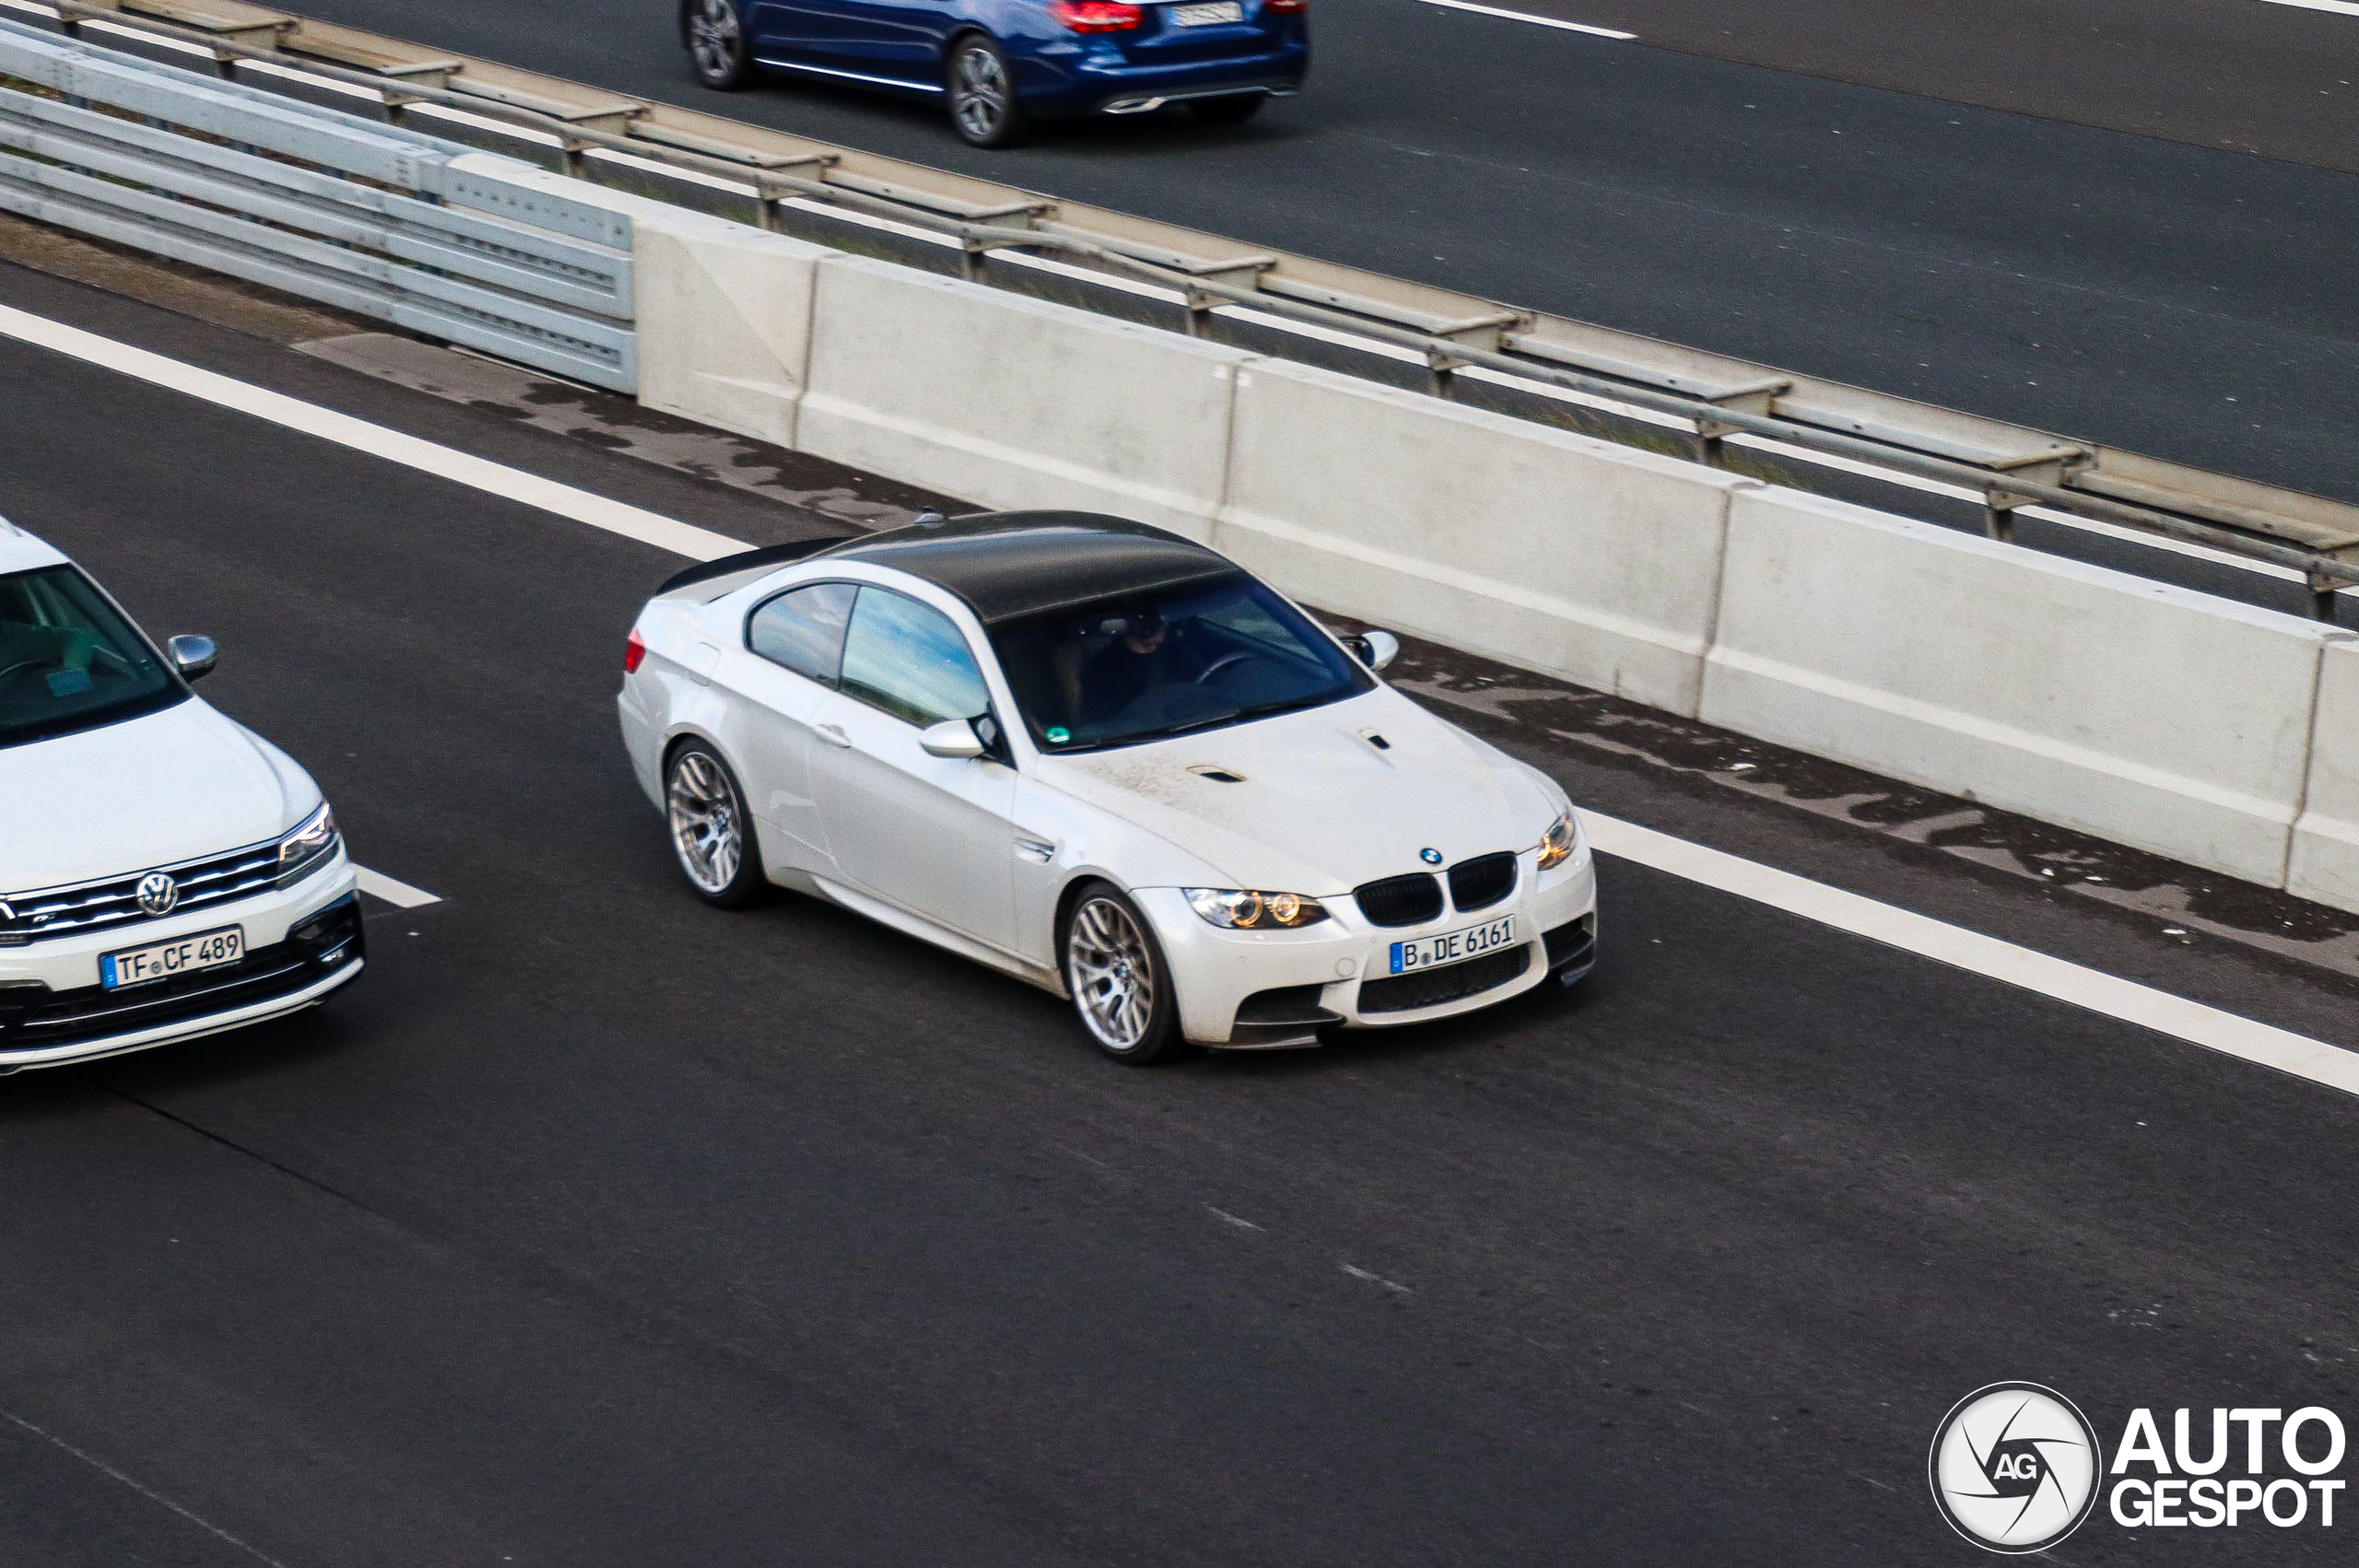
x: 712, y: 833
x: 1121, y: 988
x: 981, y: 85
x: 719, y: 51
x: 1227, y: 110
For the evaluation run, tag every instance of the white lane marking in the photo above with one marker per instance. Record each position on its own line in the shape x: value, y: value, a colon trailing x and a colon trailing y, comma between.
x: 2341, y: 7
x: 1241, y: 1223
x: 400, y: 895
x: 156, y: 1497
x: 1374, y: 1279
x: 1988, y: 956
x: 410, y: 451
x: 1536, y: 21
x: 1985, y: 955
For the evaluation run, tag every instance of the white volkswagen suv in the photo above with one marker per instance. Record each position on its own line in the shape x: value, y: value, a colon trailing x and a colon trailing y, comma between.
x: 164, y: 872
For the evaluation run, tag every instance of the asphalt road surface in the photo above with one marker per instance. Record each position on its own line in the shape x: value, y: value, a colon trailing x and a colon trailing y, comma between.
x: 2165, y: 295
x: 597, y: 1227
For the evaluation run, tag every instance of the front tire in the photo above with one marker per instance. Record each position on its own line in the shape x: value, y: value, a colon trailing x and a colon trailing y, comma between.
x: 712, y: 833
x: 1121, y: 986
x: 983, y: 110
x: 719, y: 51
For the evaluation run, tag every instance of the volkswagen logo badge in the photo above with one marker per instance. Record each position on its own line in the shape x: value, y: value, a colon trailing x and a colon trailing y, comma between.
x: 1431, y: 857
x: 158, y: 893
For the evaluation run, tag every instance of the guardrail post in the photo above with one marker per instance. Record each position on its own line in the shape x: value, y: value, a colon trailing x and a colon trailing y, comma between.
x: 432, y: 74
x: 1999, y: 516
x: 1761, y: 398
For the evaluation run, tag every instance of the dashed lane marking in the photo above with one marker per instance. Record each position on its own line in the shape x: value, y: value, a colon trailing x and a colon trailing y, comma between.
x: 1394, y: 1285
x: 1536, y: 21
x: 2341, y: 7
x: 400, y: 895
x: 1989, y: 956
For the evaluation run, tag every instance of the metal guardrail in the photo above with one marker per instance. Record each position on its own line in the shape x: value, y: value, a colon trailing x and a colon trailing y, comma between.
x: 1712, y: 396
x: 323, y: 205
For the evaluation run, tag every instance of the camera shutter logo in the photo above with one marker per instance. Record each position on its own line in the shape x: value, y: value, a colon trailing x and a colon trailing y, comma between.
x: 2016, y: 1467
x: 158, y: 893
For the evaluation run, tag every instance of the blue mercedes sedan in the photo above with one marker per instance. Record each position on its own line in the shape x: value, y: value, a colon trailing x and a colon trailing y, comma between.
x: 999, y: 64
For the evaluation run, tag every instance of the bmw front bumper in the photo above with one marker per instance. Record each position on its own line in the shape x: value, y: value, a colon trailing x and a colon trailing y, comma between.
x: 1269, y: 990
x: 301, y: 943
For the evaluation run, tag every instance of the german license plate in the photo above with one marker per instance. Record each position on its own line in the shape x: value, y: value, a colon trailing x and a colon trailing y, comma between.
x: 161, y: 961
x: 1211, y: 14
x: 1452, y: 947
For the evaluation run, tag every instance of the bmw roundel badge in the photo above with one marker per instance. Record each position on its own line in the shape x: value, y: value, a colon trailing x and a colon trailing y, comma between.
x: 1431, y: 857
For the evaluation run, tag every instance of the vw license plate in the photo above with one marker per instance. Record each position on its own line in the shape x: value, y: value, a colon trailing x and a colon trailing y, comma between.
x: 1431, y: 952
x: 207, y: 950
x: 1211, y: 14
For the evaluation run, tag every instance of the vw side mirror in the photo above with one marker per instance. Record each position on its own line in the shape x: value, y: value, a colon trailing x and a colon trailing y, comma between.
x: 194, y: 657
x: 952, y: 738
x: 1374, y: 649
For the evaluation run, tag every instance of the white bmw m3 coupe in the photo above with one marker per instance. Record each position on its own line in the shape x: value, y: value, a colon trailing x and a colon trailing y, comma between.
x: 1107, y: 760
x: 165, y: 873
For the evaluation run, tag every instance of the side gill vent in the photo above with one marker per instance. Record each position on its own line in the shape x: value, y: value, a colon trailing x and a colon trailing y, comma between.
x: 1217, y: 775
x: 1378, y: 741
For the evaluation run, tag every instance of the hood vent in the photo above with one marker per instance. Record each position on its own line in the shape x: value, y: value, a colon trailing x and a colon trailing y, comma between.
x: 1378, y: 741
x: 1217, y: 774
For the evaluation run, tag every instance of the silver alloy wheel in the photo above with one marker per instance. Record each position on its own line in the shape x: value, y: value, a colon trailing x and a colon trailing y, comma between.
x: 979, y: 94
x: 1112, y: 973
x: 708, y: 831
x: 712, y: 38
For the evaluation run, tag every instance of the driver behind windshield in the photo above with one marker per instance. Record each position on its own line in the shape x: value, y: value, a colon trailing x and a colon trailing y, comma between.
x: 1140, y: 657
x: 1189, y: 657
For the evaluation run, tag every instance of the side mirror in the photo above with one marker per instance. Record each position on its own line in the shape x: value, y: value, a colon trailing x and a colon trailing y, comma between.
x: 194, y: 657
x: 952, y: 738
x: 1374, y: 649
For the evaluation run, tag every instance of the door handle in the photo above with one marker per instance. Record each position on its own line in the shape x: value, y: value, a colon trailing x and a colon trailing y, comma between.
x: 834, y: 735
x: 1032, y: 849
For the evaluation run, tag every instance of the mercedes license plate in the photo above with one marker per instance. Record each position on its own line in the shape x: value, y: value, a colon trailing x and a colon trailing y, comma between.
x: 162, y: 960
x: 1211, y: 14
x: 1451, y: 947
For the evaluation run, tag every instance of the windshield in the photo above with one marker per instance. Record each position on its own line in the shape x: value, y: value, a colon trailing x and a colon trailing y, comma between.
x: 68, y: 661
x: 1142, y: 666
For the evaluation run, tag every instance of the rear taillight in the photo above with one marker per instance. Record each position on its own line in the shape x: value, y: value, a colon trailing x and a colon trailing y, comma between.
x: 1282, y: 6
x: 634, y: 652
x: 1098, y: 16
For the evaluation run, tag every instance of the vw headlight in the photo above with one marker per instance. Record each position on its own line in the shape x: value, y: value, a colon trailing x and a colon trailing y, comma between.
x: 1556, y: 846
x: 308, y: 844
x: 1238, y: 909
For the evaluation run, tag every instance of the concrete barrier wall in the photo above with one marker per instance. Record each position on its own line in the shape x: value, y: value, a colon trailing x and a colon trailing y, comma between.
x: 2158, y: 718
x: 2325, y: 864
x: 1015, y: 401
x: 1593, y: 562
x: 2174, y: 722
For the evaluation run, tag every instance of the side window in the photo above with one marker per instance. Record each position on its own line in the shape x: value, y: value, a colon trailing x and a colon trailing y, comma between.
x: 803, y: 629
x: 909, y: 660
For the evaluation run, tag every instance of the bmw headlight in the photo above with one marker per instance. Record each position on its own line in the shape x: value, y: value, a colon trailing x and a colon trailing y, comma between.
x: 1241, y: 909
x: 300, y: 850
x: 1556, y: 846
